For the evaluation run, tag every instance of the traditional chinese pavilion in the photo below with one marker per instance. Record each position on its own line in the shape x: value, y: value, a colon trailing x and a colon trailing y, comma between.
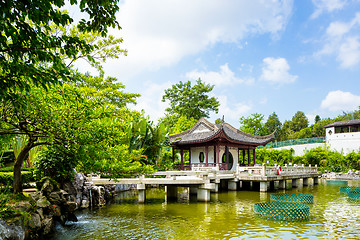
x: 217, y: 146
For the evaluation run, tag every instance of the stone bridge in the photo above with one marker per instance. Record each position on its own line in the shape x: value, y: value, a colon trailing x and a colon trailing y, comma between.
x: 203, y: 181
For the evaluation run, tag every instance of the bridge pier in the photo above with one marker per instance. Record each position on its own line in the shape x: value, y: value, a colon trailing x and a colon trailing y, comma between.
x: 316, y: 180
x: 171, y: 192
x: 276, y: 185
x: 295, y: 182
x: 305, y: 181
x: 141, y: 193
x: 264, y: 186
x: 282, y: 184
x: 193, y: 190
x: 232, y: 185
x: 203, y: 193
x: 216, y: 188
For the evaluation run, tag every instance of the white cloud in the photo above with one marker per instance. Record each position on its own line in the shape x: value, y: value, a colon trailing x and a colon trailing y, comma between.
x: 327, y: 6
x: 349, y: 52
x: 224, y: 77
x: 150, y: 100
x: 160, y: 33
x: 340, y: 101
x: 232, y: 111
x: 342, y: 39
x: 276, y: 71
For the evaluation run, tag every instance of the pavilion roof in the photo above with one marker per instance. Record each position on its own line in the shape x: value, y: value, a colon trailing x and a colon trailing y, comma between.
x: 344, y: 123
x: 204, y: 131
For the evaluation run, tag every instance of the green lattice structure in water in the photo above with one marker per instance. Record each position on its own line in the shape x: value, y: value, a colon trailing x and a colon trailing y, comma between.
x: 282, y: 211
x: 292, y: 197
x: 337, y: 182
x: 354, y: 196
x: 349, y: 189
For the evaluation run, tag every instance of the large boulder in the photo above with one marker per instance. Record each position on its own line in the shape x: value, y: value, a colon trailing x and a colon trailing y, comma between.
x: 11, y: 232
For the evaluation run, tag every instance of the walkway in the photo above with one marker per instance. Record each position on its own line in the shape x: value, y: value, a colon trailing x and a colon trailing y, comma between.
x: 202, y: 183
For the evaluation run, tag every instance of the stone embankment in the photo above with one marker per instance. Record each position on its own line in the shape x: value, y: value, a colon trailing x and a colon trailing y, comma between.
x: 350, y: 175
x: 51, y: 204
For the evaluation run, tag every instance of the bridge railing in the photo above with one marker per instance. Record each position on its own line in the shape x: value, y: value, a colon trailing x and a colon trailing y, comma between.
x: 274, y: 170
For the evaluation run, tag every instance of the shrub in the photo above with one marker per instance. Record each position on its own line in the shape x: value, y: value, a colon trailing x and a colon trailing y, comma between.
x: 11, y: 169
x: 55, y: 162
x: 7, y: 178
x: 8, y: 156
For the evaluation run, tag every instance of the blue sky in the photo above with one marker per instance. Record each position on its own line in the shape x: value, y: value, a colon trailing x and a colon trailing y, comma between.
x: 263, y: 56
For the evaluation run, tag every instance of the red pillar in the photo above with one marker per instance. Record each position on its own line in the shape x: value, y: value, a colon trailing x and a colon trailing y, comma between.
x: 248, y: 152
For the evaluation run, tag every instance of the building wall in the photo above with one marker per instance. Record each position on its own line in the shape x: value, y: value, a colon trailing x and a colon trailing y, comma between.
x: 342, y: 142
x: 302, y: 148
x: 195, y: 152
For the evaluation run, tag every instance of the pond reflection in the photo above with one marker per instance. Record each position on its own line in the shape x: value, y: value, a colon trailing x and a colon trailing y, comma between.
x: 229, y: 215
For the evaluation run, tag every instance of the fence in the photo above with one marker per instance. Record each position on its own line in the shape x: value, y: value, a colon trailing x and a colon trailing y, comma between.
x: 295, y: 142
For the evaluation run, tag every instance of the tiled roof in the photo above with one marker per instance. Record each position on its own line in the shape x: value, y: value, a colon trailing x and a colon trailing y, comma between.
x: 204, y: 131
x: 344, y: 123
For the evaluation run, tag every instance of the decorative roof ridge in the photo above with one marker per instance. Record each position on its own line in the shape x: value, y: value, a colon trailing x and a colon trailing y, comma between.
x: 343, y: 123
x: 201, y: 120
x: 270, y: 136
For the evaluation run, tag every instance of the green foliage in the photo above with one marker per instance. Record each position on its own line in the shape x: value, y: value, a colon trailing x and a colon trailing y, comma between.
x: 33, y: 54
x: 299, y: 121
x: 118, y: 162
x: 11, y: 169
x: 273, y: 124
x: 166, y: 161
x: 7, y: 178
x: 191, y: 101
x: 280, y: 157
x: 56, y: 162
x: 7, y: 156
x: 253, y: 124
x: 6, y: 209
x: 141, y: 134
x: 182, y: 124
x: 324, y: 158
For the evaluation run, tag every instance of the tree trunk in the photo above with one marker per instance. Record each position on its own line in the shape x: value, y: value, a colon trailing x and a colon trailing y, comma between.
x: 17, y: 167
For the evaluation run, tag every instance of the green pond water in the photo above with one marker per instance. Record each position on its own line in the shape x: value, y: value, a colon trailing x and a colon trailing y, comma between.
x: 229, y: 215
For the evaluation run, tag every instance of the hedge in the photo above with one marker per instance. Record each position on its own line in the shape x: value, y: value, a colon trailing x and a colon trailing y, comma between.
x: 6, y: 178
x: 11, y: 169
x: 8, y: 156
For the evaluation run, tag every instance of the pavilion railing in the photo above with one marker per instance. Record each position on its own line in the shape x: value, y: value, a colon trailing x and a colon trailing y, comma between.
x: 208, y: 166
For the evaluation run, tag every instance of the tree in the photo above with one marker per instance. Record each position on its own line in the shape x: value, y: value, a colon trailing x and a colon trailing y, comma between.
x: 317, y: 119
x: 253, y: 124
x: 63, y: 115
x: 191, y: 101
x: 182, y: 125
x: 32, y: 54
x: 299, y: 121
x: 273, y: 124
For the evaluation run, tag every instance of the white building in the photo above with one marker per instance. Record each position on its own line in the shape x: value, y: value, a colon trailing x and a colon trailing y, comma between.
x: 343, y: 136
